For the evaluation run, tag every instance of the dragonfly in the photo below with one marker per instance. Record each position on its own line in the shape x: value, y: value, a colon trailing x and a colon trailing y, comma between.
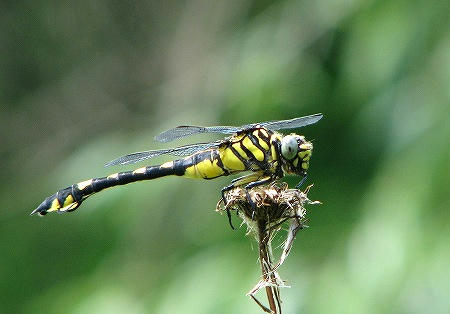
x: 256, y: 148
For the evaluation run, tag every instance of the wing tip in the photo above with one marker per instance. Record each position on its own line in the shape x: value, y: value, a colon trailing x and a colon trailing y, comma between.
x: 314, y: 118
x: 318, y: 115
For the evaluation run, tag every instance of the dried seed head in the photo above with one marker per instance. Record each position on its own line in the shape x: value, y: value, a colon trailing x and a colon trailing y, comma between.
x: 272, y: 204
x: 264, y: 210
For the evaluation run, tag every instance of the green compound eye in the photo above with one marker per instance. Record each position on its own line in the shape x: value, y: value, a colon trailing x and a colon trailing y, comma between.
x: 289, y: 147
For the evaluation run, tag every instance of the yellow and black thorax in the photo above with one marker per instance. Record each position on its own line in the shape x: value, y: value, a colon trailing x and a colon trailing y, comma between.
x: 254, y: 150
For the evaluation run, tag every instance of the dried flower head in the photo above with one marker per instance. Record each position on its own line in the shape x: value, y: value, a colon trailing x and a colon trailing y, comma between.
x: 264, y: 210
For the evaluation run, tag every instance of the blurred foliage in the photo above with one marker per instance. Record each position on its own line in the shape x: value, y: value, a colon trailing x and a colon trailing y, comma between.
x: 84, y: 82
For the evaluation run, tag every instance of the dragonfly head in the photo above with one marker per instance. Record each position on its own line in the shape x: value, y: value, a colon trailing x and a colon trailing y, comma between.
x: 296, y: 152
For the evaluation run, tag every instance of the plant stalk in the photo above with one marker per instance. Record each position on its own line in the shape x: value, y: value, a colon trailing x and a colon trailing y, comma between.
x: 265, y: 261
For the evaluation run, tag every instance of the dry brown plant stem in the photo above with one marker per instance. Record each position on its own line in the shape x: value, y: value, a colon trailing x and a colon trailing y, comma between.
x: 265, y: 261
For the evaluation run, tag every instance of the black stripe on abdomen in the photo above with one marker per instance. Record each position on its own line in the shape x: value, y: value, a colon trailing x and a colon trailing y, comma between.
x: 70, y: 198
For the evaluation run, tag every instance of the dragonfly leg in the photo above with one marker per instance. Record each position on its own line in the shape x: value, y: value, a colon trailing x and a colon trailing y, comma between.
x: 225, y: 189
x: 252, y: 185
x: 301, y: 181
x: 235, y: 183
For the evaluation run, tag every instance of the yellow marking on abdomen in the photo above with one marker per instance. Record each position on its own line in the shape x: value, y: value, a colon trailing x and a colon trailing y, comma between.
x: 113, y: 176
x: 230, y: 161
x: 259, y: 155
x: 204, y: 170
x: 140, y: 170
x: 82, y: 185
x: 55, y: 206
x: 69, y: 203
x: 190, y: 172
x: 69, y: 200
x: 168, y: 164
x: 209, y: 169
x: 305, y: 165
x: 69, y: 207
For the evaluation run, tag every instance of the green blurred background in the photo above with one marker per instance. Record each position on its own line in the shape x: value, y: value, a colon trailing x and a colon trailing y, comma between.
x: 83, y: 83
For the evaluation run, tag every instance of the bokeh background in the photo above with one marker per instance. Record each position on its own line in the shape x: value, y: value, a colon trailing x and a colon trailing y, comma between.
x: 85, y: 82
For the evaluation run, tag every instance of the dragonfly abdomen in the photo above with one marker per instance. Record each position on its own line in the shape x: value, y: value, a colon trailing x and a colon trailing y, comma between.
x: 204, y: 165
x: 70, y: 198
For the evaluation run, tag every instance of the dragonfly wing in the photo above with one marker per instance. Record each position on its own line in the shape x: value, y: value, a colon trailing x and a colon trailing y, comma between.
x: 136, y: 157
x: 283, y: 124
x: 292, y: 123
x: 192, y: 149
x: 187, y: 130
x: 177, y: 151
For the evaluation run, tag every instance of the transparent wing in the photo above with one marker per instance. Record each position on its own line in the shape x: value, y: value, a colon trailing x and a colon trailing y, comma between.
x: 187, y: 130
x: 292, y: 123
x: 178, y: 151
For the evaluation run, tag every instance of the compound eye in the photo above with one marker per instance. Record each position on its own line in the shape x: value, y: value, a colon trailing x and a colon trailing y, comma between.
x: 289, y: 147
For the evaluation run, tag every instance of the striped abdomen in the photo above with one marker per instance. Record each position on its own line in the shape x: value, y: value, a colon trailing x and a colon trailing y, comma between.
x: 70, y: 198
